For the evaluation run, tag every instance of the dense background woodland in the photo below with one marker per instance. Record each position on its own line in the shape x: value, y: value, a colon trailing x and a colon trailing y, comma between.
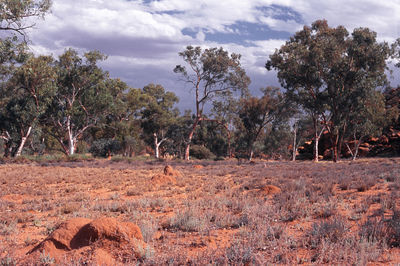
x: 335, y: 100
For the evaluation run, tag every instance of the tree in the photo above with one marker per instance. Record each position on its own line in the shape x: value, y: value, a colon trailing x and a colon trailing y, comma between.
x: 12, y: 54
x: 83, y: 98
x: 30, y: 91
x: 395, y: 52
x: 178, y: 133
x: 213, y: 74
x: 104, y: 147
x: 158, y: 115
x: 369, y: 120
x: 392, y: 105
x: 327, y: 71
x: 119, y: 125
x: 225, y: 113
x: 15, y: 15
x: 256, y: 113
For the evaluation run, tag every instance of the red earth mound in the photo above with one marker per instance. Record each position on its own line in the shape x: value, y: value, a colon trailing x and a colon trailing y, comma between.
x: 101, y: 239
x: 198, y: 166
x: 269, y: 190
x: 169, y: 171
x: 163, y: 179
x: 167, y: 178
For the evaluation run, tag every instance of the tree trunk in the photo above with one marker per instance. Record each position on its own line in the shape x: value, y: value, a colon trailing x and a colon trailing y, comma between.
x: 335, y: 148
x: 23, y: 140
x: 7, y: 144
x: 251, y: 154
x: 71, y: 139
x: 190, y: 137
x: 335, y: 153
x: 7, y: 148
x: 71, y: 145
x: 316, y: 140
x: 187, y: 151
x: 294, y: 142
x: 156, y: 146
x: 229, y: 145
x: 357, y: 147
x: 341, y: 140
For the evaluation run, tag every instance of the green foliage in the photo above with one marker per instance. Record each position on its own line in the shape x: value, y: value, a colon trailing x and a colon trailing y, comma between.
x: 28, y: 93
x: 85, y: 96
x: 392, y: 106
x: 178, y: 133
x: 212, y: 135
x: 201, y: 152
x: 16, y: 15
x: 158, y: 115
x: 104, y: 147
x: 330, y: 73
x: 256, y: 113
x: 277, y: 141
x: 215, y: 75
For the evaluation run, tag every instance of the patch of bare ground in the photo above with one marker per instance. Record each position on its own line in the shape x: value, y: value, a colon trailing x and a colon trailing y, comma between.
x: 120, y: 213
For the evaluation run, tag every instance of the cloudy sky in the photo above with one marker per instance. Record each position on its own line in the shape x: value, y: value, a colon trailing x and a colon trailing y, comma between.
x: 142, y: 38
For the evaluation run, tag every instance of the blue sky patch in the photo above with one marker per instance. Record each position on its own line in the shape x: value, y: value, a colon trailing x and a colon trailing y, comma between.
x: 241, y: 32
x: 282, y: 13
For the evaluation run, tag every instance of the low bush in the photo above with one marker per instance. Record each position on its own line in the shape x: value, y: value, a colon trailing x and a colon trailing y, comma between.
x: 104, y: 147
x: 332, y: 230
x: 201, y: 152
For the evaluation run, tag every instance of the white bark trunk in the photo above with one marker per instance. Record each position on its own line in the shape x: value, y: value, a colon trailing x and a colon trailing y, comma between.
x: 316, y: 142
x: 71, y: 139
x: 71, y: 144
x: 251, y: 154
x: 23, y: 140
x: 157, y: 146
x: 348, y: 148
x: 317, y: 136
x: 357, y: 147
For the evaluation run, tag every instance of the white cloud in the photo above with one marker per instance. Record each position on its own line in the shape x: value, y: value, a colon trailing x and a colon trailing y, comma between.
x: 140, y: 38
x: 380, y: 16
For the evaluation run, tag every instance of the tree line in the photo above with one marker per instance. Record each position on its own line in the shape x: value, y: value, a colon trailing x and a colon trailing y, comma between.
x: 333, y: 82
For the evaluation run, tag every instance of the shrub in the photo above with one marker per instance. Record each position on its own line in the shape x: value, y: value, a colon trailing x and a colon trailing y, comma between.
x: 104, y: 147
x: 394, y: 229
x: 201, y: 152
x: 373, y: 230
x: 188, y: 221
x: 78, y: 157
x: 219, y: 158
x: 332, y: 231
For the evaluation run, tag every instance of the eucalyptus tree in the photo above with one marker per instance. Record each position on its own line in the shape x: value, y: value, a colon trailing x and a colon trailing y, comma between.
x: 256, y: 113
x: 30, y: 90
x: 158, y: 115
x: 12, y: 54
x: 225, y: 115
x: 327, y: 71
x: 16, y: 15
x: 83, y: 98
x: 213, y: 74
x: 369, y: 119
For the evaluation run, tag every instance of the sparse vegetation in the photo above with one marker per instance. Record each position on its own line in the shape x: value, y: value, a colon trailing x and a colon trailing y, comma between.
x: 218, y: 213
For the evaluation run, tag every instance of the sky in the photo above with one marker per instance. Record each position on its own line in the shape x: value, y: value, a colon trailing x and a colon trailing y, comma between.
x: 142, y: 38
